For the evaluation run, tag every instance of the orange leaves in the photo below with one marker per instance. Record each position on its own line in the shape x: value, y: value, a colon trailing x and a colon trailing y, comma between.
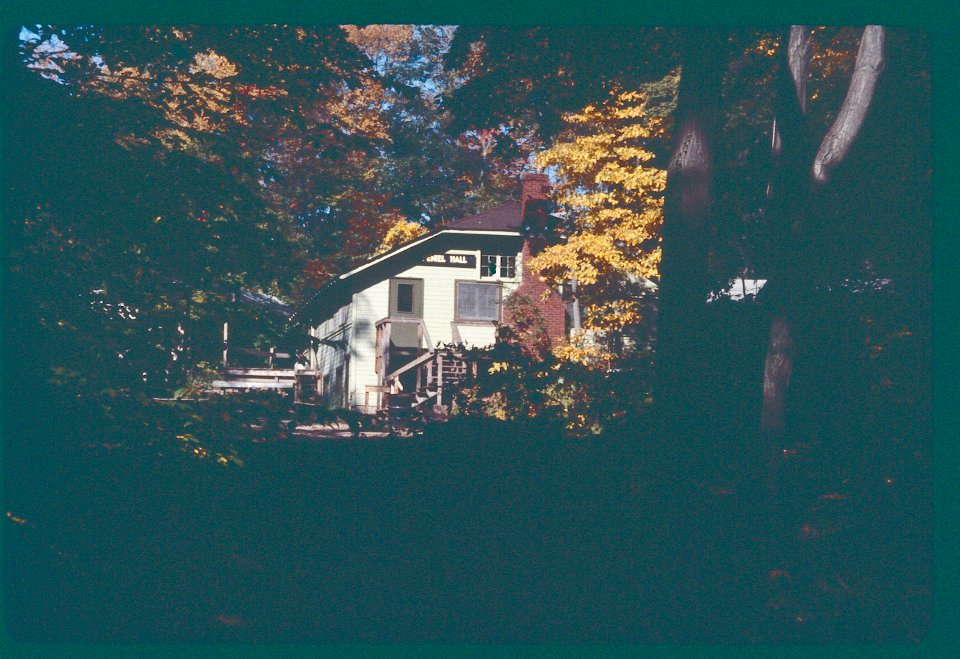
x: 317, y: 272
x: 268, y: 92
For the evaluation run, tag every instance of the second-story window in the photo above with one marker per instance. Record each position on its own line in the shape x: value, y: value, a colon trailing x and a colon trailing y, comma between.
x: 494, y: 265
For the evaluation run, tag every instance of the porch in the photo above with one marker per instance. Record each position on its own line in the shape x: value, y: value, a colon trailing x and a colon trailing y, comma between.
x: 413, y: 367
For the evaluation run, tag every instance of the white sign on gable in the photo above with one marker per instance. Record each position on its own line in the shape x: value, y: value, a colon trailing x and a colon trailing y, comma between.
x: 451, y: 260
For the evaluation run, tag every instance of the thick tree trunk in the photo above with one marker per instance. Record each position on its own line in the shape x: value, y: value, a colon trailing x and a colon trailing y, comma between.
x: 777, y: 369
x: 786, y: 199
x: 795, y: 190
x: 687, y: 213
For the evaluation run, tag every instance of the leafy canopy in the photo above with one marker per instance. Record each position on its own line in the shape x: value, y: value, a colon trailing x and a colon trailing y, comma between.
x: 610, y: 183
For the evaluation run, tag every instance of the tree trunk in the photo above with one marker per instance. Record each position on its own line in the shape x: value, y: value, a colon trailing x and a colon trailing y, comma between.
x: 777, y: 370
x: 846, y: 126
x: 795, y: 190
x: 786, y: 199
x: 687, y: 213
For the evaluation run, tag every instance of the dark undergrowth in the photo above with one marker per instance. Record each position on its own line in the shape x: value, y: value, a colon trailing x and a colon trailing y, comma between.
x: 475, y: 531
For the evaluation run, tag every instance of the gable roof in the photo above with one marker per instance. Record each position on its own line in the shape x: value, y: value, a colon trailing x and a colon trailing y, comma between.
x: 508, y: 217
x: 503, y: 220
x: 446, y: 231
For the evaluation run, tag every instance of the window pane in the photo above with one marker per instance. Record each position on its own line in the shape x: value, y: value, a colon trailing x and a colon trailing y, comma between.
x: 478, y: 301
x: 404, y: 298
x: 487, y: 307
x: 508, y: 266
x: 488, y: 265
x: 468, y: 301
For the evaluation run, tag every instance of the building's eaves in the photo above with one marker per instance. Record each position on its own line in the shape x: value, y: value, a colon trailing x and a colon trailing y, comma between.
x: 420, y: 241
x: 265, y: 301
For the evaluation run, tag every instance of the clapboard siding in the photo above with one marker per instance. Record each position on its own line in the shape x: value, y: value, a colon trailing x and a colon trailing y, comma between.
x: 333, y: 350
x: 372, y: 304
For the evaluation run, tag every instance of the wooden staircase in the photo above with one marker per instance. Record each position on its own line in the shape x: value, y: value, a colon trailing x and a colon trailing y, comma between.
x: 444, y: 373
x: 439, y: 371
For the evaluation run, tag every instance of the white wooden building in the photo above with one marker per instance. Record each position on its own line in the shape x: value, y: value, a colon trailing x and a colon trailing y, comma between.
x: 376, y: 329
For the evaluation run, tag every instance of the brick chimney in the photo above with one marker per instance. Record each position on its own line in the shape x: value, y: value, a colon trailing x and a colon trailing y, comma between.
x: 534, y: 196
x: 534, y: 199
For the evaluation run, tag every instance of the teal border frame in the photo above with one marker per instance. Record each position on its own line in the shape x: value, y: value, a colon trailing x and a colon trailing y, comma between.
x: 941, y: 22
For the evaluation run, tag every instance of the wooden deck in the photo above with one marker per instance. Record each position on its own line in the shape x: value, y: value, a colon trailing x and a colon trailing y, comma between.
x: 269, y: 376
x: 258, y: 378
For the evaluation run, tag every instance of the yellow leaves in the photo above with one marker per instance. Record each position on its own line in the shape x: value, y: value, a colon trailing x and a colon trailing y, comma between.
x: 213, y: 64
x: 210, y: 95
x: 175, y: 139
x: 612, y: 186
x: 498, y: 367
x: 360, y: 111
x: 616, y: 249
x: 123, y: 83
x: 270, y: 92
x: 583, y: 349
x: 201, y: 122
x: 129, y: 141
x: 643, y: 180
x: 393, y: 41
x: 580, y: 155
x: 766, y: 46
x: 612, y: 315
x: 402, y: 231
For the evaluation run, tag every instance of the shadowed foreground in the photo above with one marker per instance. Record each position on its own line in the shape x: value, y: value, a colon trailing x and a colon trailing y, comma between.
x: 475, y: 532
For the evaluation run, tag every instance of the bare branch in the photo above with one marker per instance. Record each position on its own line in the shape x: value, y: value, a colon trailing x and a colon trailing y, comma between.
x: 846, y: 127
x: 799, y: 51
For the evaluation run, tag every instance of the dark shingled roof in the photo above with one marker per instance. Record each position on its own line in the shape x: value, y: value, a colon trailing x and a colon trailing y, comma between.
x: 502, y: 218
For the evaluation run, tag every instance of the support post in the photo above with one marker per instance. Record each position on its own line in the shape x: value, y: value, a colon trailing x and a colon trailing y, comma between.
x: 226, y: 334
x: 439, y: 378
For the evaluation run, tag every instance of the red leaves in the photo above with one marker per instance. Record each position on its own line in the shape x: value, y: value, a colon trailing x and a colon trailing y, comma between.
x: 318, y: 271
x: 816, y: 531
x: 230, y: 620
x: 809, y: 531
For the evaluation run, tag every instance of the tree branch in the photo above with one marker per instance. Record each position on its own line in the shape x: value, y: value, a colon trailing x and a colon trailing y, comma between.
x: 845, y: 128
x: 799, y: 51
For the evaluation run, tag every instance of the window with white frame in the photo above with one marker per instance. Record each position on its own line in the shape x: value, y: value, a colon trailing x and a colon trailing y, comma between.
x: 492, y: 265
x: 478, y: 301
